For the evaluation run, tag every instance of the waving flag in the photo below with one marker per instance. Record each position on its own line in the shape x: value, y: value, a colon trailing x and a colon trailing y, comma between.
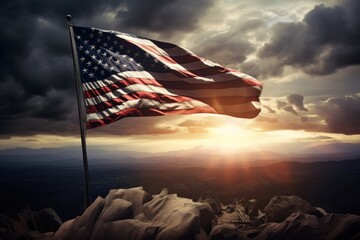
x: 123, y: 75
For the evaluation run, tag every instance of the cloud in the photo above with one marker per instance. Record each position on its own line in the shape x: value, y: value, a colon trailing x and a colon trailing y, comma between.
x: 297, y: 100
x: 292, y: 104
x: 323, y: 42
x: 332, y: 115
x: 290, y: 109
x: 270, y: 110
x: 341, y: 114
x: 230, y: 47
x: 165, y: 16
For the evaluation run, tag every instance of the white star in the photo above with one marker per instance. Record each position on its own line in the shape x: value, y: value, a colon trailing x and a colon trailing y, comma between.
x: 115, y: 42
x: 128, y: 51
x: 138, y: 64
x: 111, y: 48
x: 96, y: 68
x: 155, y: 60
x: 87, y: 52
x: 117, y: 62
x: 78, y: 37
x: 91, y: 75
x: 121, y: 46
x: 102, y: 72
x: 93, y: 57
x: 88, y: 63
x: 100, y: 61
x: 91, y: 35
x: 86, y: 41
x: 84, y: 70
x: 92, y: 47
x: 131, y: 59
x: 106, y: 65
x: 104, y: 54
x: 112, y: 68
x: 81, y: 47
x: 105, y: 44
x: 147, y: 55
x: 136, y: 54
x: 82, y: 59
x: 124, y: 65
x: 108, y: 37
x: 98, y: 40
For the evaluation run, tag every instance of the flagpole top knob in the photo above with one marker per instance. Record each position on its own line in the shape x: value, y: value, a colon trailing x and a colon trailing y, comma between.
x: 68, y: 18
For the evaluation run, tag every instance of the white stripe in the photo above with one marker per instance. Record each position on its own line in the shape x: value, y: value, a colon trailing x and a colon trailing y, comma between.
x: 145, y: 104
x: 160, y: 77
x: 124, y: 91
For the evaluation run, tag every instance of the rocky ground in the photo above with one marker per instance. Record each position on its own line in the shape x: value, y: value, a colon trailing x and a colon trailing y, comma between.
x: 134, y: 214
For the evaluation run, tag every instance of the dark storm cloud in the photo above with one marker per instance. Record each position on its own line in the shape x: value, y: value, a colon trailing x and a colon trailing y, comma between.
x: 36, y: 75
x: 163, y: 16
x: 326, y: 40
x: 234, y: 44
x: 342, y: 115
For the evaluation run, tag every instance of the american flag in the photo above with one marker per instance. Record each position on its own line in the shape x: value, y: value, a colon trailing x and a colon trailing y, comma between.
x: 123, y: 75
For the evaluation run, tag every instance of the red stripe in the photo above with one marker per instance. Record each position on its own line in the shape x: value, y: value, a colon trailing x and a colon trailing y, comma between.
x: 138, y: 95
x: 120, y: 84
x: 178, y: 85
x: 136, y: 112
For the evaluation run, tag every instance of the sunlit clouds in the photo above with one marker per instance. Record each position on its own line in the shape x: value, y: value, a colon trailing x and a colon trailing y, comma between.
x: 306, y: 53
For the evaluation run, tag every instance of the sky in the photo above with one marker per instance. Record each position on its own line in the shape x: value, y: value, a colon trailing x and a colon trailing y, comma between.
x: 306, y: 53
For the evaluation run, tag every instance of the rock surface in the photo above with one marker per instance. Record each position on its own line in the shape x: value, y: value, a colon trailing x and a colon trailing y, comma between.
x: 133, y: 214
x: 281, y: 207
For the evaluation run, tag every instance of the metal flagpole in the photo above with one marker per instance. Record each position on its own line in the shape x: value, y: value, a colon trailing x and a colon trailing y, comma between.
x: 82, y: 116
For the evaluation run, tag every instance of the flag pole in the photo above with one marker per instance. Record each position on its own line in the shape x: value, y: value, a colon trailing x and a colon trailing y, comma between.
x: 80, y: 102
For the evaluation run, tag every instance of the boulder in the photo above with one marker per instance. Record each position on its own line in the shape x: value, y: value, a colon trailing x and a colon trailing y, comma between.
x: 47, y: 220
x: 178, y: 218
x: 281, y: 207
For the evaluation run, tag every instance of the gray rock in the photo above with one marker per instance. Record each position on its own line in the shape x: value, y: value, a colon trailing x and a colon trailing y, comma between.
x: 281, y: 207
x: 300, y: 226
x: 227, y: 232
x: 47, y: 220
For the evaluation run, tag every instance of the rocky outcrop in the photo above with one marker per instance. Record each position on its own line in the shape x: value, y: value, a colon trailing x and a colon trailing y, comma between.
x: 30, y: 225
x: 133, y: 214
x: 281, y: 207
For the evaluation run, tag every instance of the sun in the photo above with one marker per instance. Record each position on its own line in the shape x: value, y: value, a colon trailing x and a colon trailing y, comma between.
x: 232, y: 136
